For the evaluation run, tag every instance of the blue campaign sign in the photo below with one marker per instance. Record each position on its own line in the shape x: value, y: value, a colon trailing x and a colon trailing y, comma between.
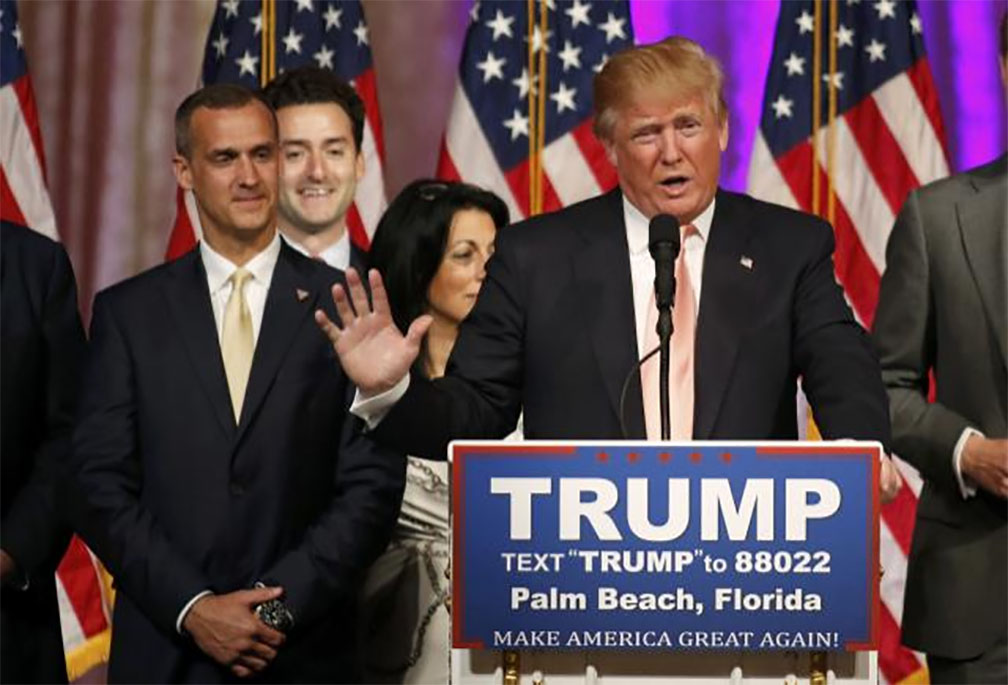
x: 757, y: 546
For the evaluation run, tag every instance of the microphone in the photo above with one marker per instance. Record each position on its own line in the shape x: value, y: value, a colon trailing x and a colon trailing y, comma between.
x: 664, y: 246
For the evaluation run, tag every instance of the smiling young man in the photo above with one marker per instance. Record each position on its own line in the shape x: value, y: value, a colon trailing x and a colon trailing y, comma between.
x: 321, y: 128
x: 217, y: 472
x: 565, y: 310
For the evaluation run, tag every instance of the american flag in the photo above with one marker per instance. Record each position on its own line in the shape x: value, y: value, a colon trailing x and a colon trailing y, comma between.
x: 82, y: 585
x: 331, y: 35
x: 492, y: 138
x: 886, y: 139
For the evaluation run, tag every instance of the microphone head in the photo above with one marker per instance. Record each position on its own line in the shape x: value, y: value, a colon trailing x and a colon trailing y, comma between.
x: 663, y: 230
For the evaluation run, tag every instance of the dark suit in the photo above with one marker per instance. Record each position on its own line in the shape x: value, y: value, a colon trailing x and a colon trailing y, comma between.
x: 358, y: 258
x: 177, y: 499
x: 42, y: 352
x: 942, y: 306
x: 553, y: 332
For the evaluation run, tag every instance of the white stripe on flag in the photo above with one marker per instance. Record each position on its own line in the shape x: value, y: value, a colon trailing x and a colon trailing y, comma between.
x: 73, y: 633
x: 910, y: 475
x: 911, y: 127
x: 765, y: 179
x: 894, y: 565
x: 861, y: 197
x: 194, y: 220
x: 472, y: 155
x: 21, y: 166
x: 370, y: 196
x: 572, y: 178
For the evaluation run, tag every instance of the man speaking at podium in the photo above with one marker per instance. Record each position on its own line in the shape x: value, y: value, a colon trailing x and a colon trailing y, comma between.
x: 566, y: 308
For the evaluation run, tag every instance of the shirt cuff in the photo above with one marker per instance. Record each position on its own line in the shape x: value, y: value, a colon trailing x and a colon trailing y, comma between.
x: 966, y: 488
x: 187, y: 607
x: 373, y: 409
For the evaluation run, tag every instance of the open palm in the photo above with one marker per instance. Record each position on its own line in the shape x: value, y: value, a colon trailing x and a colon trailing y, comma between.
x: 372, y: 351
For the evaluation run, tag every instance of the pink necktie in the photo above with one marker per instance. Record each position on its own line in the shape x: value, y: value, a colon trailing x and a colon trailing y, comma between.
x: 681, y: 367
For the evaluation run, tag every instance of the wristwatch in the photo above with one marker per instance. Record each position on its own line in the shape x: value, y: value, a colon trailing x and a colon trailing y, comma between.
x: 274, y: 613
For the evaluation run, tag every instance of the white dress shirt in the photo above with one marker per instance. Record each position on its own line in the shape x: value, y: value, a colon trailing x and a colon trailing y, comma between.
x: 336, y: 255
x: 218, y: 270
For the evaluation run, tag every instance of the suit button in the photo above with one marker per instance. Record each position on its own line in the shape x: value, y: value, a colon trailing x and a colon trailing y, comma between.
x: 237, y: 489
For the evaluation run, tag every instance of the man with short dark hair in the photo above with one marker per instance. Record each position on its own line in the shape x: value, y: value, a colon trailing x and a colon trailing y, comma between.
x: 321, y: 121
x: 218, y: 474
x: 943, y: 307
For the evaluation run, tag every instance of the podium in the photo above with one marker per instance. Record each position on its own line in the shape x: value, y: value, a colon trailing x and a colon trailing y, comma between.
x: 634, y: 562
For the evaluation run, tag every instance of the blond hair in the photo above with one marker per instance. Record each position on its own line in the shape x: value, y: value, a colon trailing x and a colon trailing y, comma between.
x: 675, y: 67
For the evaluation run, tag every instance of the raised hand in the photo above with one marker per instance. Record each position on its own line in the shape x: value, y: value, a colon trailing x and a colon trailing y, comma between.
x: 373, y: 352
x: 226, y: 628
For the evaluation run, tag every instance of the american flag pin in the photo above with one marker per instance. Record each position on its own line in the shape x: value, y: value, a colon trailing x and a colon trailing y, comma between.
x: 746, y: 262
x: 302, y: 295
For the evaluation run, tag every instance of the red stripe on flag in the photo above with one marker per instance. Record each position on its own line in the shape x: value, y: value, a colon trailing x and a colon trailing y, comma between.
x: 83, y: 587
x: 920, y: 76
x: 854, y: 269
x: 551, y: 201
x: 446, y: 169
x: 595, y: 155
x: 518, y: 179
x: 899, y: 516
x: 895, y: 661
x: 26, y: 97
x: 355, y: 225
x: 183, y: 237
x: 368, y: 91
x: 9, y: 208
x: 881, y: 152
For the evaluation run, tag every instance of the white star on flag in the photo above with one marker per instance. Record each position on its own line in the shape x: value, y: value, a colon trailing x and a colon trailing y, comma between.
x: 578, y: 13
x: 256, y: 24
x: 844, y: 36
x: 362, y: 33
x: 601, y: 63
x: 518, y: 125
x: 304, y: 5
x: 230, y: 8
x: 324, y: 57
x: 805, y: 23
x: 836, y: 79
x: 915, y: 24
x: 491, y: 67
x: 782, y: 107
x: 220, y: 45
x: 564, y: 97
x: 247, y: 63
x: 17, y: 34
x: 876, y: 51
x: 292, y: 42
x: 501, y: 25
x: 537, y: 40
x: 794, y: 64
x: 885, y: 8
x: 332, y: 17
x: 613, y: 28
x: 570, y: 56
x: 522, y: 82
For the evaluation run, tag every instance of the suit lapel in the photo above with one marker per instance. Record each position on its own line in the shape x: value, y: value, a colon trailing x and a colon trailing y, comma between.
x: 602, y: 274
x: 188, y: 299
x: 725, y: 311
x: 982, y: 227
x: 288, y: 302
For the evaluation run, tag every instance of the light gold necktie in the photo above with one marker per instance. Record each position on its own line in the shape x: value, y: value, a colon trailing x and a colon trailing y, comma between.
x: 681, y: 362
x: 236, y: 340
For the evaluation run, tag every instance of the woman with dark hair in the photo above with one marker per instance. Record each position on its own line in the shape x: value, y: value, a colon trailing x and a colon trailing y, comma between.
x: 431, y: 248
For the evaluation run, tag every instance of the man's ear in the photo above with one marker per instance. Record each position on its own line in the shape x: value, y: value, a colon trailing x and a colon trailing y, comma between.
x: 183, y: 173
x: 723, y: 134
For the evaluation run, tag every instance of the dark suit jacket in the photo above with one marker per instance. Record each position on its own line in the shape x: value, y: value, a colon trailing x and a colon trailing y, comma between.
x: 176, y: 499
x: 42, y: 351
x: 942, y: 306
x: 358, y: 259
x: 553, y: 333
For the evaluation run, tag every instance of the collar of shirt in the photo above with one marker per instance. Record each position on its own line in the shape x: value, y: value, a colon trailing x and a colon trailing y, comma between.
x: 336, y: 255
x: 637, y: 226
x: 219, y: 268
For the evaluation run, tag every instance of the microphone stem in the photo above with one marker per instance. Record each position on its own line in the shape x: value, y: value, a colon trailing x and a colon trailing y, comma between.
x: 664, y: 340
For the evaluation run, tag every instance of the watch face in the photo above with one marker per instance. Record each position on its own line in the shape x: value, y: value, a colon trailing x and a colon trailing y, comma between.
x: 276, y: 615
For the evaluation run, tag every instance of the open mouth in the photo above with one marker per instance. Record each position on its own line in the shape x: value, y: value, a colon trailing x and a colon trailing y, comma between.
x: 315, y: 192
x: 675, y: 184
